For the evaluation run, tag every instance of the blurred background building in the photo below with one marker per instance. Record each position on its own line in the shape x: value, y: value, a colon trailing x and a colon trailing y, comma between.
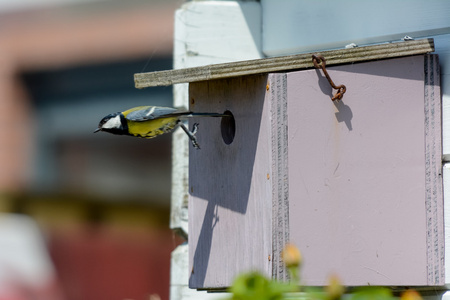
x: 101, y: 202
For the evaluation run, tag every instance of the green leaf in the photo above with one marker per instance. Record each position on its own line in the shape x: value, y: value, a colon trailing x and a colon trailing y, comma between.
x: 252, y: 286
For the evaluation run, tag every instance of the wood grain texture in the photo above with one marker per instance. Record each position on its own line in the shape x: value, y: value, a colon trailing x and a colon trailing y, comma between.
x: 285, y: 63
x: 446, y: 175
x: 364, y: 202
x: 433, y: 171
x: 277, y: 87
x: 231, y: 186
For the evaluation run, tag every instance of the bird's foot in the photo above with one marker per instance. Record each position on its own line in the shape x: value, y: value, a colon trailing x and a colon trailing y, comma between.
x: 191, y: 134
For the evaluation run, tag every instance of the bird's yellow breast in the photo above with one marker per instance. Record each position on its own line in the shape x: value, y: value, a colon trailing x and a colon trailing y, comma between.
x: 151, y: 128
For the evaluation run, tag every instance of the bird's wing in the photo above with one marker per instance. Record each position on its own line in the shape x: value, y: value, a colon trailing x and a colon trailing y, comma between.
x: 145, y: 113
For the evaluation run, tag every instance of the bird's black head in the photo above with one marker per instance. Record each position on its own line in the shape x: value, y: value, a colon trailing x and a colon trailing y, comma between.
x: 114, y: 123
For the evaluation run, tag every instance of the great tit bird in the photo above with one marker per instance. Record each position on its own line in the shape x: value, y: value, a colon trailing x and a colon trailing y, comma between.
x: 150, y: 121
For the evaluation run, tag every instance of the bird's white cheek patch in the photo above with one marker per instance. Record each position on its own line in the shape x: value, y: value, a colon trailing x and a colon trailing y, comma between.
x: 112, y: 123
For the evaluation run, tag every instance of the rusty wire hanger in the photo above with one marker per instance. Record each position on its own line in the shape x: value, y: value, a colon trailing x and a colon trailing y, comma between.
x: 319, y: 63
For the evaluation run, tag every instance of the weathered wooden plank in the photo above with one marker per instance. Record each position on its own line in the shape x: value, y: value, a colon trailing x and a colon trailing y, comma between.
x: 284, y: 63
x: 446, y: 189
x: 231, y: 185
x: 277, y: 89
x: 433, y: 171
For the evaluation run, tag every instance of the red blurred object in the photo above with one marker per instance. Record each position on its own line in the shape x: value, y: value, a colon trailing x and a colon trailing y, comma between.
x: 105, y: 264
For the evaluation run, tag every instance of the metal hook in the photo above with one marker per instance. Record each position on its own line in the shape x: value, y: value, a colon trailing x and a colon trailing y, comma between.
x: 319, y: 63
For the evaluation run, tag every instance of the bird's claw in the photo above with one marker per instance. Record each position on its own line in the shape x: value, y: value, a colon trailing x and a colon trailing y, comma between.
x: 193, y: 138
x: 191, y: 134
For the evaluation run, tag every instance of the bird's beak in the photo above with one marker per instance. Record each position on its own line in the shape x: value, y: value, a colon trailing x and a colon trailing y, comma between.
x: 97, y: 130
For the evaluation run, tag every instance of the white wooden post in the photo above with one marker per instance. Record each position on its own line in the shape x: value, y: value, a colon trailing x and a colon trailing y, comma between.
x: 206, y: 32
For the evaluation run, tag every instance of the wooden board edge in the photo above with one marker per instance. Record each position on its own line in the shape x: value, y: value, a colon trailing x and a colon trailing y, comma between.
x: 446, y: 180
x: 433, y: 172
x: 277, y: 91
x: 283, y: 63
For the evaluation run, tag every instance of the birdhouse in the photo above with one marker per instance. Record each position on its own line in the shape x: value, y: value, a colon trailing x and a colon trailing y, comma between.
x: 352, y: 175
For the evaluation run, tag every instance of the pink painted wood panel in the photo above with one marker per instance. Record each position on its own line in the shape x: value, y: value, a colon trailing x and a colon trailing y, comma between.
x: 230, y: 185
x: 362, y: 201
